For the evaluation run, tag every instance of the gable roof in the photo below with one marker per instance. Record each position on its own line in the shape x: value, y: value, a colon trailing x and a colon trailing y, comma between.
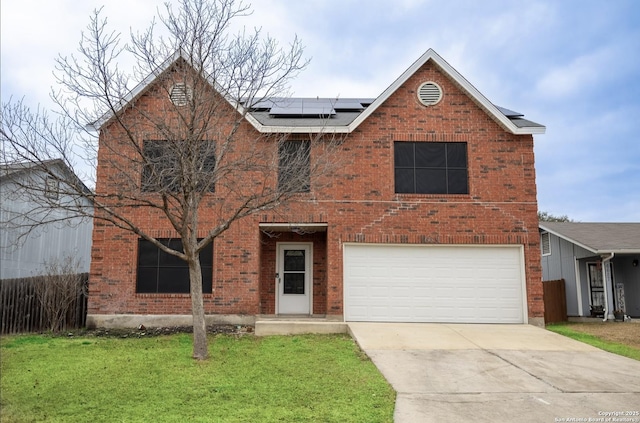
x: 10, y: 171
x: 330, y: 119
x: 492, y: 110
x: 600, y: 238
x: 145, y: 84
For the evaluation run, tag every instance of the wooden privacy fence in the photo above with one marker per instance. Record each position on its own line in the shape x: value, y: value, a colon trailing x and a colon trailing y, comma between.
x: 43, y: 303
x: 555, y: 301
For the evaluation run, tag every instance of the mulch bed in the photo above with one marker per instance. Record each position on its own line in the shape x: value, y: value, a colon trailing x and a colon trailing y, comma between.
x: 143, y: 331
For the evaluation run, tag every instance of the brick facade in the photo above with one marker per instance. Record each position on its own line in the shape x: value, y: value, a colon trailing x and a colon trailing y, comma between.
x: 358, y: 205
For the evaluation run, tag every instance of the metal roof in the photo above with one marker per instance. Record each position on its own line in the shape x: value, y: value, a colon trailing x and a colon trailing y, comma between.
x: 601, y: 238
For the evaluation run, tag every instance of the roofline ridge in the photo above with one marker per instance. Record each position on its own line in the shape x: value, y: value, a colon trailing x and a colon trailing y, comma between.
x: 238, y: 105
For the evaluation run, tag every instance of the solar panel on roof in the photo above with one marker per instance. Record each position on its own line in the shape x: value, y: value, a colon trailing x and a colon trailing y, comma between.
x: 348, y: 105
x: 302, y: 111
x: 303, y: 107
x: 288, y: 106
x: 509, y: 113
x: 263, y: 104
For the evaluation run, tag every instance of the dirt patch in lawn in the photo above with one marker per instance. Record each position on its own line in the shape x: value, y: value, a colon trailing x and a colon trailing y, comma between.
x: 142, y: 331
x: 627, y: 333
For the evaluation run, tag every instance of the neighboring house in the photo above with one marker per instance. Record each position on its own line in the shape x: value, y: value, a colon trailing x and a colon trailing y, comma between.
x: 432, y: 218
x: 599, y: 263
x: 27, y: 245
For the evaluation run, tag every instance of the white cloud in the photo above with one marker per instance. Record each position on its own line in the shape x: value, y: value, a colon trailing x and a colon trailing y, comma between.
x: 577, y: 75
x: 570, y: 65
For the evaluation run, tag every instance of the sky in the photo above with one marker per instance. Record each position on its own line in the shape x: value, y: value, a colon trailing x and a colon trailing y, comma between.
x: 571, y: 65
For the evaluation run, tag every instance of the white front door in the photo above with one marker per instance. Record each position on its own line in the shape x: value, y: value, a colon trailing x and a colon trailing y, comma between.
x: 293, y: 278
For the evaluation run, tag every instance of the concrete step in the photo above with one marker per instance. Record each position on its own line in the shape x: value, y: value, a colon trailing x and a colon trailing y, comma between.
x: 296, y: 327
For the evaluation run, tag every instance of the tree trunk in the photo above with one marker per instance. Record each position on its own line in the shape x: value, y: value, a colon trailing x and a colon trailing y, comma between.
x: 200, y: 347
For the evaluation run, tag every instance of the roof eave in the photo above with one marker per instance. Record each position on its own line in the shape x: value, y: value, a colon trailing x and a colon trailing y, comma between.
x: 284, y: 129
x: 529, y: 130
x: 620, y: 251
x: 588, y: 248
x: 566, y: 238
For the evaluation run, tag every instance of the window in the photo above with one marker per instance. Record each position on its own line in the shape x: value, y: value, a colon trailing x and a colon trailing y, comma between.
x: 51, y: 188
x: 159, y: 272
x: 431, y: 168
x: 545, y: 243
x: 172, y: 165
x: 294, y: 166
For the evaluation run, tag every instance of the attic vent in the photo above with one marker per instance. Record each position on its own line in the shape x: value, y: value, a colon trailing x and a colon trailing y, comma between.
x: 181, y: 94
x: 545, y: 243
x: 429, y: 93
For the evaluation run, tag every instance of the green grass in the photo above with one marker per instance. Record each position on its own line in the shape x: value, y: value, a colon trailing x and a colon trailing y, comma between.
x: 613, y: 347
x: 310, y: 378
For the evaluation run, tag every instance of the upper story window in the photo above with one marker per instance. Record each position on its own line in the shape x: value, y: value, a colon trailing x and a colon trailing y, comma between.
x: 294, y: 166
x: 431, y: 168
x: 159, y: 272
x: 545, y: 243
x: 171, y: 166
x: 51, y: 188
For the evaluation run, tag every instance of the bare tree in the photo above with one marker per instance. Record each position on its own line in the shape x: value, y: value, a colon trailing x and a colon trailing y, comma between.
x: 58, y: 290
x: 179, y: 155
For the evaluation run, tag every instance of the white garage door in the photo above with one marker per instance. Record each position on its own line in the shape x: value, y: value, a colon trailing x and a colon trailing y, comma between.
x: 455, y: 284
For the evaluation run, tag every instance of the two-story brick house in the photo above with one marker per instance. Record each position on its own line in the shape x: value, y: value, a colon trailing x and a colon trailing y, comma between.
x: 432, y: 217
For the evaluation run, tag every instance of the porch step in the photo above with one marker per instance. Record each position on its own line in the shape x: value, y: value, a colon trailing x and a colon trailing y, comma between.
x: 297, y: 327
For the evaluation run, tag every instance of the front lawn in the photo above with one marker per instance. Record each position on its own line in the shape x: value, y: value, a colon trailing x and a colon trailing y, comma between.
x: 616, y: 337
x: 311, y: 378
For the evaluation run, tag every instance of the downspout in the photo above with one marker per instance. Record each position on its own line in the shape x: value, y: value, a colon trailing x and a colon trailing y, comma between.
x: 606, y: 260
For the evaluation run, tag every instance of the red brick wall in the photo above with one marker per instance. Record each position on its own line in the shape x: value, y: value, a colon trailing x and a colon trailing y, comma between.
x: 358, y: 204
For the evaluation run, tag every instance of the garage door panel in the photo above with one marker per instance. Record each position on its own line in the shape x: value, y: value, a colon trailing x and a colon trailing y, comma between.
x: 433, y: 284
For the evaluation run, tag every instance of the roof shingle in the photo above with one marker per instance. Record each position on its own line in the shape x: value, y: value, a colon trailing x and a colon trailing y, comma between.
x: 598, y: 237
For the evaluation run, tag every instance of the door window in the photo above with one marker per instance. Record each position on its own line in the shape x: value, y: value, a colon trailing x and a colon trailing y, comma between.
x: 596, y: 285
x: 294, y: 272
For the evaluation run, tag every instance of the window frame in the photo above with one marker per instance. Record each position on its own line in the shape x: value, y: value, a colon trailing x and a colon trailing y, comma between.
x: 285, y: 153
x: 51, y: 188
x: 155, y: 146
x: 167, y: 265
x: 442, y: 173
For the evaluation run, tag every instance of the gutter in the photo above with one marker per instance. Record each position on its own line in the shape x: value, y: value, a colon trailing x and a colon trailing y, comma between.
x: 605, y: 260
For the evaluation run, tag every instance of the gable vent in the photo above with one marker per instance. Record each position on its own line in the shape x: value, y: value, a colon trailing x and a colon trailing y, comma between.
x: 429, y: 93
x: 180, y: 94
x: 545, y: 243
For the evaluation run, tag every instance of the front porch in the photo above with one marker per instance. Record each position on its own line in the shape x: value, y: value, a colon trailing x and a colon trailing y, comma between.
x: 293, y: 270
x: 266, y: 325
x: 608, y: 284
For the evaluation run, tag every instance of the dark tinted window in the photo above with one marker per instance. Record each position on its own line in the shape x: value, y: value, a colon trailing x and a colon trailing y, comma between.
x: 431, y: 168
x: 165, y: 162
x: 160, y: 272
x: 294, y: 166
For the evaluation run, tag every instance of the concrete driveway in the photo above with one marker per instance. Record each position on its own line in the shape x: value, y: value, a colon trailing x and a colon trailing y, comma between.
x: 499, y: 373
